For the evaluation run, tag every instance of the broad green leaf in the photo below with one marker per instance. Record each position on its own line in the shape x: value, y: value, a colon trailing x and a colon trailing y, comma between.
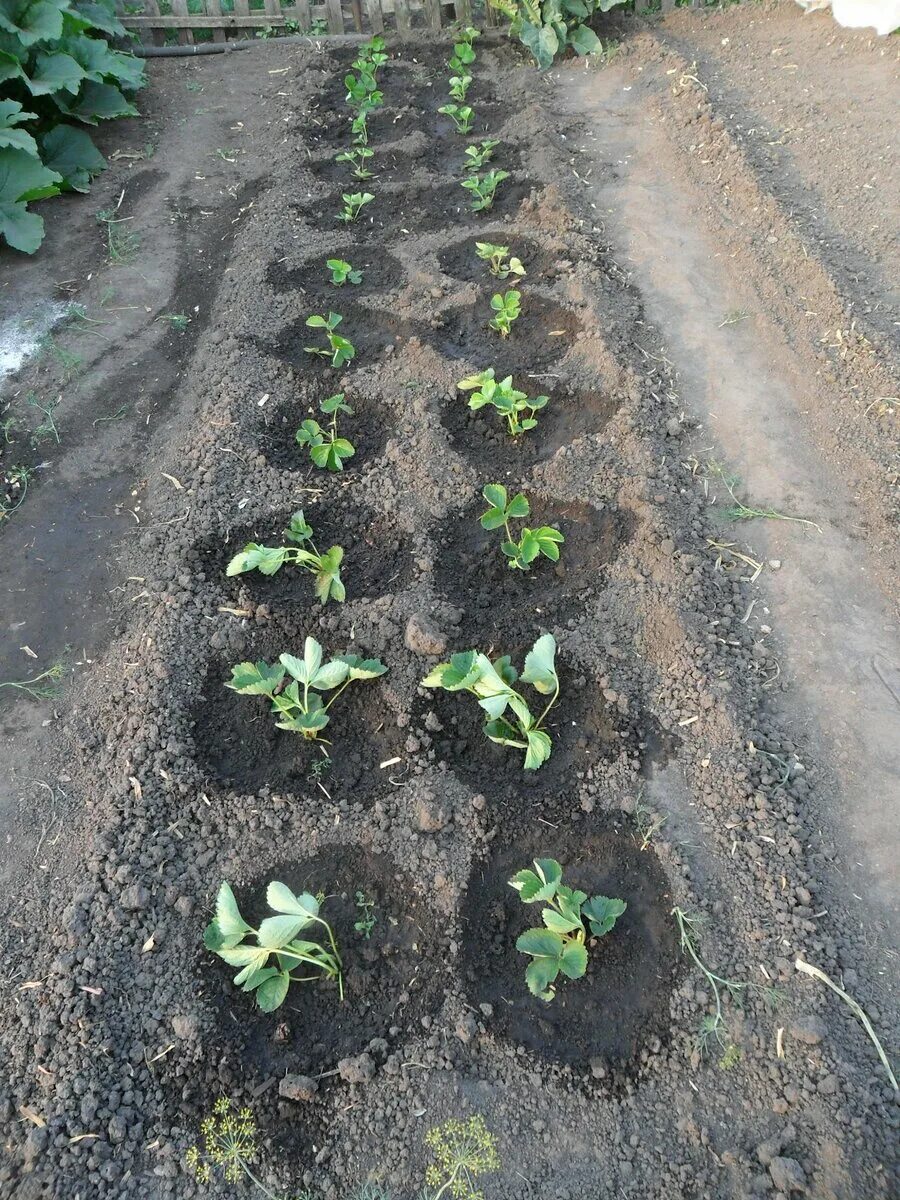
x: 310, y: 433
x: 494, y: 518
x: 251, y: 958
x: 542, y: 41
x: 99, y: 16
x: 540, y: 668
x: 602, y: 912
x: 312, y: 656
x: 33, y: 20
x: 500, y: 731
x: 23, y: 178
x: 228, y: 915
x: 542, y: 943
x: 539, y: 975
x: 363, y: 668
x: 463, y: 672
x: 539, y: 749
x: 539, y: 884
x: 573, y: 960
x: 281, y: 899
x: 96, y: 102
x: 258, y: 977
x: 11, y: 115
x: 518, y: 506
x: 558, y: 923
x: 316, y: 322
x: 330, y: 676
x: 265, y: 559
x: 11, y: 66
x: 329, y: 586
x: 583, y: 40
x: 529, y: 547
x: 495, y: 494
x: 311, y: 721
x: 522, y: 711
x: 506, y: 671
x: 101, y: 63
x: 275, y: 932
x: 255, y: 679
x: 53, y: 73
x: 298, y: 529
x: 436, y: 676
x: 71, y: 152
x: 271, y: 994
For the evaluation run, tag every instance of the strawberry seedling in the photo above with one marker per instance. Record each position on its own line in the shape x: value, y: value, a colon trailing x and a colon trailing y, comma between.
x: 460, y: 115
x: 506, y: 309
x: 459, y: 85
x: 299, y: 704
x: 476, y: 156
x: 228, y: 934
x: 342, y: 272
x: 492, y: 684
x: 268, y: 560
x: 514, y: 406
x: 357, y: 159
x: 359, y: 127
x: 340, y: 349
x: 496, y: 259
x: 570, y: 918
x: 532, y: 542
x: 362, y: 90
x: 484, y: 188
x: 354, y: 203
x: 326, y: 449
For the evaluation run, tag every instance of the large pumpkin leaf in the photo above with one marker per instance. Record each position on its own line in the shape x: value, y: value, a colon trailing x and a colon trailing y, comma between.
x: 24, y: 178
x: 101, y: 63
x: 98, y: 16
x: 33, y: 20
x: 10, y: 67
x: 96, y: 102
x: 71, y: 153
x: 54, y: 72
x: 11, y: 115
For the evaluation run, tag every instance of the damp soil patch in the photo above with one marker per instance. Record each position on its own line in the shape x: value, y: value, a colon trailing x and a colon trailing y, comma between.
x: 473, y: 573
x: 391, y: 980
x: 482, y: 437
x: 623, y: 999
x: 239, y: 747
x: 381, y: 272
x: 275, y: 435
x: 370, y: 330
x: 461, y: 260
x: 541, y: 335
x: 431, y: 207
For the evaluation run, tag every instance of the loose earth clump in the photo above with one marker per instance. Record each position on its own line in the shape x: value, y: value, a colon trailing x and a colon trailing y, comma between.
x: 604, y: 1019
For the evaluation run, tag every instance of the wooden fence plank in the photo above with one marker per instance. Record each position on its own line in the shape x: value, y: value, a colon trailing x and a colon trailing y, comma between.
x: 404, y: 19
x: 334, y: 14
x: 180, y: 9
x: 433, y: 13
x: 463, y: 11
x: 376, y: 18
x: 214, y: 9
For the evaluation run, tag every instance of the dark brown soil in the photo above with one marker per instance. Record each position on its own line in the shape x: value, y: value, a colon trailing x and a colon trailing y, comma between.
x: 462, y: 262
x: 622, y: 1002
x: 279, y: 420
x: 381, y: 272
x: 547, y: 330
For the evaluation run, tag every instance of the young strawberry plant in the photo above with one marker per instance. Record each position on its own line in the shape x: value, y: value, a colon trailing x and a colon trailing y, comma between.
x: 511, y: 722
x: 326, y: 449
x: 532, y: 542
x: 299, y: 704
x: 570, y: 919
x: 514, y: 406
x: 496, y: 259
x: 342, y: 272
x: 362, y: 90
x: 240, y: 945
x: 506, y: 309
x: 484, y: 189
x: 354, y: 203
x: 459, y: 85
x: 460, y: 115
x: 268, y: 560
x: 339, y: 349
x: 476, y: 156
x: 357, y: 159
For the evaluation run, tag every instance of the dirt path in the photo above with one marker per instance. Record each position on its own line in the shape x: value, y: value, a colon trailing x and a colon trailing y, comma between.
x: 682, y: 776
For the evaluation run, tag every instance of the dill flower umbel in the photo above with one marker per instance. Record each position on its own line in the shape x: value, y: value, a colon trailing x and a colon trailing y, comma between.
x: 227, y: 1146
x: 463, y: 1150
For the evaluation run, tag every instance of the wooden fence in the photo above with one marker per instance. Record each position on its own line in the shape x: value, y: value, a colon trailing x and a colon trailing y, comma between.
x: 157, y: 22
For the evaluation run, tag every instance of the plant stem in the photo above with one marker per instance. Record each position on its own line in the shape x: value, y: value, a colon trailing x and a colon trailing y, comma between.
x: 554, y: 699
x: 444, y: 1186
x: 262, y: 1187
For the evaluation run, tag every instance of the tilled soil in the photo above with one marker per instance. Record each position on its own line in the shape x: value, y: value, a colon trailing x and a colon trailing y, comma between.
x: 126, y: 1030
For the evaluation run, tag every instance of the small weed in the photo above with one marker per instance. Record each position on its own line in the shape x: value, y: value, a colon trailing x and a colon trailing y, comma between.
x: 367, y: 919
x: 744, y: 512
x: 514, y: 406
x: 647, y: 823
x: 70, y: 363
x: 532, y: 542
x: 46, y: 429
x: 463, y: 1151
x: 326, y: 568
x: 506, y: 309
x: 8, y: 427
x: 357, y: 159
x: 484, y: 189
x: 354, y: 202
x: 121, y: 244
x: 476, y: 156
x: 119, y: 415
x: 498, y: 261
x: 41, y: 687
x: 734, y: 318
x: 340, y: 349
x: 178, y: 321
x: 13, y: 489
x: 460, y: 114
x: 342, y: 272
x: 326, y: 449
x: 227, y: 154
x: 194, y: 87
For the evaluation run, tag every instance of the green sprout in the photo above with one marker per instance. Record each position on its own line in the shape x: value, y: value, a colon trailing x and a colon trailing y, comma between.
x: 459, y: 85
x: 270, y: 559
x: 357, y: 160
x: 532, y: 542
x: 342, y: 272
x: 559, y: 946
x: 354, y: 202
x: 460, y: 115
x: 340, y: 349
x: 299, y: 704
x: 326, y: 449
x: 15, y: 486
x: 227, y: 1146
x: 178, y: 321
x: 226, y: 935
x: 476, y: 156
x: 362, y: 89
x: 463, y: 1151
x: 38, y: 688
x: 367, y: 919
x: 501, y: 395
x: 483, y: 188
x: 496, y: 259
x: 359, y: 127
x: 492, y: 684
x: 506, y: 309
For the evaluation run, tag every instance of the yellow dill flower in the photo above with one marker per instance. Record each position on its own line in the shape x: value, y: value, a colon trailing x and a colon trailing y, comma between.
x: 463, y: 1150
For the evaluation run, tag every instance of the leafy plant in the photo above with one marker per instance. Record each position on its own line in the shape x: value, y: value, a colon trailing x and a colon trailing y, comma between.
x: 357, y: 159
x: 268, y: 560
x: 459, y: 85
x: 506, y: 308
x: 38, y: 688
x: 532, y: 542
x: 463, y: 1151
x: 227, y: 936
x: 559, y: 947
x: 58, y: 73
x: 492, y: 684
x: 340, y: 349
x: 495, y: 257
x: 476, y: 156
x: 227, y: 1145
x: 342, y: 272
x: 484, y: 188
x: 299, y: 704
x: 326, y: 449
x: 354, y: 203
x: 514, y: 406
x: 547, y: 27
x: 460, y: 115
x: 371, y: 55
x: 362, y: 90
x: 359, y: 127
x: 366, y: 922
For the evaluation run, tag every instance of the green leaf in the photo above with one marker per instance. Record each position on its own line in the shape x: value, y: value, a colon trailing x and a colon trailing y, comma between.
x: 281, y: 899
x: 542, y: 41
x: 539, y: 749
x: 518, y: 506
x: 271, y: 994
x: 100, y: 63
x: 462, y: 672
x: 333, y: 404
x: 539, y: 884
x: 310, y: 722
x: 298, y: 530
x: 24, y: 178
x: 71, y: 152
x: 330, y: 676
x: 265, y: 559
x: 504, y: 668
x: 33, y: 20
x: 228, y: 916
x: 502, y: 733
x: 540, y: 668
x: 602, y: 912
x: 559, y: 923
x: 573, y: 960
x: 96, y: 102
x: 11, y: 115
x: 10, y: 67
x: 53, y: 73
x: 275, y: 932
x: 363, y: 668
x: 255, y: 679
x: 99, y: 16
x: 310, y: 433
x: 258, y: 977
x: 542, y: 943
x: 539, y: 975
x: 583, y: 40
x: 494, y: 493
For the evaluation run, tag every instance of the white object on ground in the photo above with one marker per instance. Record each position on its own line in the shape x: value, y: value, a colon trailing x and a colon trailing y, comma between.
x: 21, y: 335
x: 882, y: 15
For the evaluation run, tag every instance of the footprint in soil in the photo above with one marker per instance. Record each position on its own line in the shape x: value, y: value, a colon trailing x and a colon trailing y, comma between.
x: 623, y: 999
x: 392, y: 978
